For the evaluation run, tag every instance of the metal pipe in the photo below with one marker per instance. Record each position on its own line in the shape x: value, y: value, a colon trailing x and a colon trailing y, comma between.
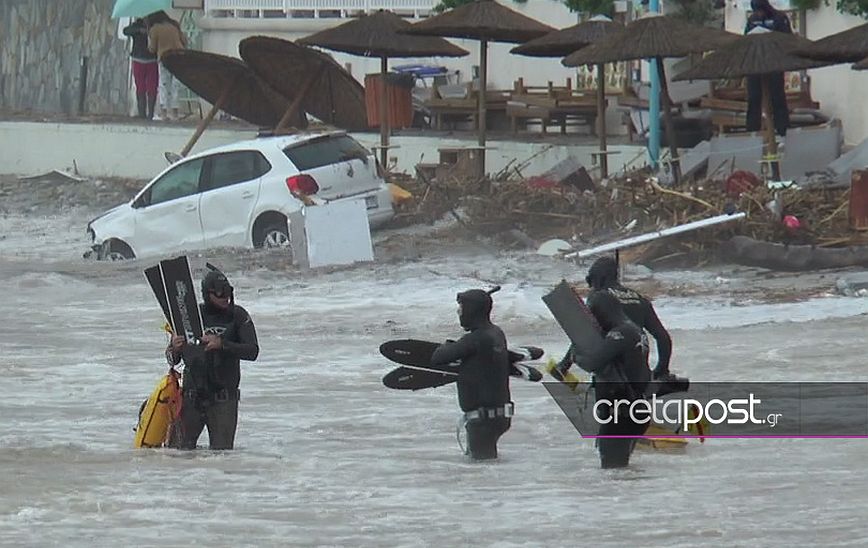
x: 654, y: 105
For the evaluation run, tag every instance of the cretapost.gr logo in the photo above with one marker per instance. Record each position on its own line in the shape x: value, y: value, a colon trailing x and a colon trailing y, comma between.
x: 684, y: 412
x: 717, y: 409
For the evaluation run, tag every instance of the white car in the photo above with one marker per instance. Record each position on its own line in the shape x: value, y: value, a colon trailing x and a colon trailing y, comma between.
x: 240, y: 195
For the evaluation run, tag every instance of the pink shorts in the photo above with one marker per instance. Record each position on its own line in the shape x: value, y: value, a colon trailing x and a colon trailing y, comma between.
x: 147, y: 76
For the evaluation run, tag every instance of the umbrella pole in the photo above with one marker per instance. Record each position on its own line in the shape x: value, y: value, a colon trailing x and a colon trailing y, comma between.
x: 384, y: 115
x: 667, y: 120
x: 206, y: 120
x: 771, y: 142
x: 296, y: 103
x: 601, y: 119
x: 483, y: 86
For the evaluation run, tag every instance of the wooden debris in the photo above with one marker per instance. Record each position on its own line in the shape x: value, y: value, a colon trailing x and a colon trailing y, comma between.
x: 509, y: 202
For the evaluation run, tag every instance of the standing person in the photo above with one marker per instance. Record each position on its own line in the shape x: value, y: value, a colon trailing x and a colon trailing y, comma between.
x: 165, y: 34
x: 145, y: 71
x: 483, y: 374
x: 763, y: 15
x: 603, y: 276
x: 620, y: 374
x: 210, y: 384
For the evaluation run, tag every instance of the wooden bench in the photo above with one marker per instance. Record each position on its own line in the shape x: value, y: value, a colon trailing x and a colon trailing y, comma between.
x: 519, y: 113
x: 463, y: 109
x: 550, y: 105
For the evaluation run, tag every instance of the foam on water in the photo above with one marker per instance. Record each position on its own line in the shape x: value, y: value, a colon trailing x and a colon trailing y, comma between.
x: 327, y: 456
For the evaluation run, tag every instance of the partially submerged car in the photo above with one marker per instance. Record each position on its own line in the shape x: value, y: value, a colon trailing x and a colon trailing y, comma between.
x: 240, y: 195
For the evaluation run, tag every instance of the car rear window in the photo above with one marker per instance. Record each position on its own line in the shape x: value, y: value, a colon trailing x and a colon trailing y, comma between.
x: 325, y: 151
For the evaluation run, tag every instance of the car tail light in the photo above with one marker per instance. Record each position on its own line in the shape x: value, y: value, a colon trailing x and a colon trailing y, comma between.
x: 302, y: 184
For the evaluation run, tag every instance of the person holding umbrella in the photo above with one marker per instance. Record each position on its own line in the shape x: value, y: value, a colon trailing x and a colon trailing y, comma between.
x: 164, y: 35
x: 145, y: 71
x: 763, y: 15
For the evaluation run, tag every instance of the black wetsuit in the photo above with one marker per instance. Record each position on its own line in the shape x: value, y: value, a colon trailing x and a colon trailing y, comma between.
x: 211, y: 378
x: 641, y: 312
x: 483, y: 374
x: 603, y: 274
x: 620, y: 372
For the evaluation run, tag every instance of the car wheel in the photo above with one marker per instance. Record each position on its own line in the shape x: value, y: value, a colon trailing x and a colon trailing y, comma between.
x: 117, y: 251
x: 273, y: 236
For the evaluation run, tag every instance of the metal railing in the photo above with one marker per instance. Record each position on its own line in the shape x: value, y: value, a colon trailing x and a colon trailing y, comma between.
x: 256, y: 9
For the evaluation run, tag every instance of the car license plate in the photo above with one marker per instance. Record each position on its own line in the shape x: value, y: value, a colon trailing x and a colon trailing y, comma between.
x: 371, y: 202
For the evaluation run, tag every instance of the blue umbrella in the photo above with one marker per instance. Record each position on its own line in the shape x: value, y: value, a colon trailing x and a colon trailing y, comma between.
x: 139, y: 8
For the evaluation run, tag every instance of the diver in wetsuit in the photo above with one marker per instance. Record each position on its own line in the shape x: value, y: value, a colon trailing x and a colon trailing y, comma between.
x: 211, y: 378
x: 603, y: 276
x: 483, y: 375
x: 620, y: 372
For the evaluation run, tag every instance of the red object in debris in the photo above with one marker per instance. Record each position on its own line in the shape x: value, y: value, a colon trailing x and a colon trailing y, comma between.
x: 859, y: 199
x: 792, y: 222
x: 741, y: 181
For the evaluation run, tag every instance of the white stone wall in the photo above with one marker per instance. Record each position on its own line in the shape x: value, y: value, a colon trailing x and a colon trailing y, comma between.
x: 104, y: 150
x: 41, y: 46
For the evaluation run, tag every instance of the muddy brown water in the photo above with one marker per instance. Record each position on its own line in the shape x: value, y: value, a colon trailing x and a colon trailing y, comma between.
x: 327, y: 456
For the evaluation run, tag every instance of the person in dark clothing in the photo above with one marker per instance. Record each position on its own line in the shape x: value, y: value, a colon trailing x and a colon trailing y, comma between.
x: 212, y: 372
x: 603, y: 276
x: 620, y: 372
x: 145, y: 68
x: 763, y: 15
x: 483, y: 374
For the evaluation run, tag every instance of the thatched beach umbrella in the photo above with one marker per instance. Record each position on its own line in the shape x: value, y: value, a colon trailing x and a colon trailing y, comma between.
x: 654, y: 37
x: 759, y: 53
x: 229, y: 85
x: 847, y: 46
x: 564, y: 42
x: 314, y: 81
x: 486, y: 21
x: 376, y: 35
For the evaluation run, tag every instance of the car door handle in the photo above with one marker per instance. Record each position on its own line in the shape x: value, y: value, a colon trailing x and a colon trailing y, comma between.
x: 245, y: 195
x: 191, y: 208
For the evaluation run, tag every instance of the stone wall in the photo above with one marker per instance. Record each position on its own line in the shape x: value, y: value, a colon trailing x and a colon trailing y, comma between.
x: 42, y: 43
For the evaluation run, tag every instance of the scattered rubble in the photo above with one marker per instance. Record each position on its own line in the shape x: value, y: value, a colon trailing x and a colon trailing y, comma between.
x: 631, y: 204
x: 57, y: 191
x: 853, y: 284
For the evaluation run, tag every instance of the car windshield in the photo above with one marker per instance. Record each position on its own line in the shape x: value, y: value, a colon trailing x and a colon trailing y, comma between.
x: 326, y: 151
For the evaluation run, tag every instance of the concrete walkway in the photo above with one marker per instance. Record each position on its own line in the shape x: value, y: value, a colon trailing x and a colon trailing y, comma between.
x: 123, y: 147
